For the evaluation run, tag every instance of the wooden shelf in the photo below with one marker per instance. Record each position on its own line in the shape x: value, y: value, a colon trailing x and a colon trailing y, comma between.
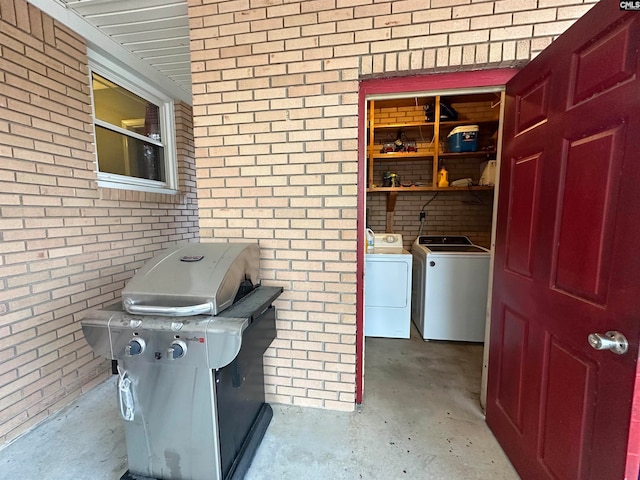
x: 478, y: 153
x: 429, y: 189
x: 406, y: 124
x: 401, y: 156
x: 412, y: 156
x: 458, y: 123
x: 427, y: 158
x: 444, y: 123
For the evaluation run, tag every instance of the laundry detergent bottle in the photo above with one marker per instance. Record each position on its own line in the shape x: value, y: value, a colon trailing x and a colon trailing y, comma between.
x: 370, y: 239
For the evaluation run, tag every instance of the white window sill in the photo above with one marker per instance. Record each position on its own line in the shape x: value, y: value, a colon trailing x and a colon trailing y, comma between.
x: 120, y: 182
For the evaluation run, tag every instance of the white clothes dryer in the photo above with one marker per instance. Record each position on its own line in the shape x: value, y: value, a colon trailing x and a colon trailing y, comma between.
x: 450, y: 285
x: 387, y: 288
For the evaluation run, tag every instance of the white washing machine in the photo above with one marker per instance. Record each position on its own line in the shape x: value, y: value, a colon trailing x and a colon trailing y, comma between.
x: 450, y: 285
x: 387, y: 288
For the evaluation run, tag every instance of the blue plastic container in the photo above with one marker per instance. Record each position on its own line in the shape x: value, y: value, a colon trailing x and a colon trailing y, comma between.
x: 463, y: 139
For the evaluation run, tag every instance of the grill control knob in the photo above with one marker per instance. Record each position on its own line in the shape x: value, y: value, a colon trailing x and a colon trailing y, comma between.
x: 136, y: 347
x: 178, y: 349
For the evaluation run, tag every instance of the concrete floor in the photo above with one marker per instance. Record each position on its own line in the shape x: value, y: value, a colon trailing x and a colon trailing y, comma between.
x: 420, y: 419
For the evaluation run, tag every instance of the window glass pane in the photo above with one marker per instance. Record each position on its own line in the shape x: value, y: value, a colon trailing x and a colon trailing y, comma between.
x: 119, y: 107
x: 129, y: 156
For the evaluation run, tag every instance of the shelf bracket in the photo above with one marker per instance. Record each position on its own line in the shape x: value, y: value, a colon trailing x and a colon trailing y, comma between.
x: 391, y: 201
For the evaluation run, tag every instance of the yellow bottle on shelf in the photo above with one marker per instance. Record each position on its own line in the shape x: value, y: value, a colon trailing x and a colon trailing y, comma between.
x: 443, y: 177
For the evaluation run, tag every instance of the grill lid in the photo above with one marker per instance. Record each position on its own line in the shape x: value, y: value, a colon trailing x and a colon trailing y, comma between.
x: 192, y: 279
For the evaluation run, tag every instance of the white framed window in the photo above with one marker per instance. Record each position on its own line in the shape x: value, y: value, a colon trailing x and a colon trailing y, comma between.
x: 134, y: 130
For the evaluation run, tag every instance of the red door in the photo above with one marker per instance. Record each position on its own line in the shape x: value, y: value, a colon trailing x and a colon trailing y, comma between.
x: 567, y: 261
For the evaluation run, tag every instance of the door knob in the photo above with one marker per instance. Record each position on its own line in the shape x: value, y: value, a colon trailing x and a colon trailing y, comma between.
x: 614, y: 341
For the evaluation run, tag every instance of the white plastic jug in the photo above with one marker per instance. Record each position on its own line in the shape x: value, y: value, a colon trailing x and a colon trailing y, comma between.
x: 371, y: 237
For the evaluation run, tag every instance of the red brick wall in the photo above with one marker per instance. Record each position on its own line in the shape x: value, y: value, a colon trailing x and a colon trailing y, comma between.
x: 65, y: 245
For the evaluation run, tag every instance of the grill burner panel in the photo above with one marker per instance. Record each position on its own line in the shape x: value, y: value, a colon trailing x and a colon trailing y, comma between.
x: 211, y: 341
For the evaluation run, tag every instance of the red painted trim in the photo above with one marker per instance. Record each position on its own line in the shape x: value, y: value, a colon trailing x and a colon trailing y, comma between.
x: 632, y: 470
x: 422, y: 83
x: 441, y: 81
x: 361, y: 223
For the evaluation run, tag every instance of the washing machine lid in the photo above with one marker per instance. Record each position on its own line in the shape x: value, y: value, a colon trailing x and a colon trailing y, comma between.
x: 443, y: 240
x: 455, y: 249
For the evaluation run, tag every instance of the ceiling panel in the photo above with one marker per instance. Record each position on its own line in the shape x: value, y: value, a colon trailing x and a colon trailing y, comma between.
x: 180, y: 23
x: 100, y: 7
x: 148, y: 35
x: 157, y: 45
x: 171, y: 59
x: 141, y: 16
x: 156, y: 31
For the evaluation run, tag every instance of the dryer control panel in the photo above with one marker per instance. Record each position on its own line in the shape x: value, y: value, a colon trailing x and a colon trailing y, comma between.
x: 387, y: 240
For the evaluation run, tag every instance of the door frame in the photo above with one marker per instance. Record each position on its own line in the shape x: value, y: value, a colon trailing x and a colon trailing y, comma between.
x: 415, y: 84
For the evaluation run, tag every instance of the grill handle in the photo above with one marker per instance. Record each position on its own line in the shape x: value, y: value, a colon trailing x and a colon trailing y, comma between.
x: 204, y: 308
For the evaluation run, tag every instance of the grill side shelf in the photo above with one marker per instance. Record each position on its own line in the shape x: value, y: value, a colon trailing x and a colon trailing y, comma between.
x: 253, y: 304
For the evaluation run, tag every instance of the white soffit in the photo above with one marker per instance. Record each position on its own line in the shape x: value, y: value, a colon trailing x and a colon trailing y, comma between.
x: 151, y: 36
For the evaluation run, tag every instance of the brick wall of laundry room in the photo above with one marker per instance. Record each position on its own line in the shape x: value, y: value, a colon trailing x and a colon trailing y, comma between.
x: 451, y: 213
x: 65, y: 245
x: 275, y: 87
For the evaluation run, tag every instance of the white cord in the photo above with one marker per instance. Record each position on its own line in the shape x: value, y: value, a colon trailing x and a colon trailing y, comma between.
x: 423, y: 211
x: 127, y: 406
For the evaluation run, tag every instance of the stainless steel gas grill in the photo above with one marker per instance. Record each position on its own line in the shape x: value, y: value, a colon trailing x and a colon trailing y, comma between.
x: 187, y: 343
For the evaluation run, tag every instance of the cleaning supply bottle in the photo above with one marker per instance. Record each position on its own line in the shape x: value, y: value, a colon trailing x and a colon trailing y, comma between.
x: 370, y: 239
x: 443, y: 176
